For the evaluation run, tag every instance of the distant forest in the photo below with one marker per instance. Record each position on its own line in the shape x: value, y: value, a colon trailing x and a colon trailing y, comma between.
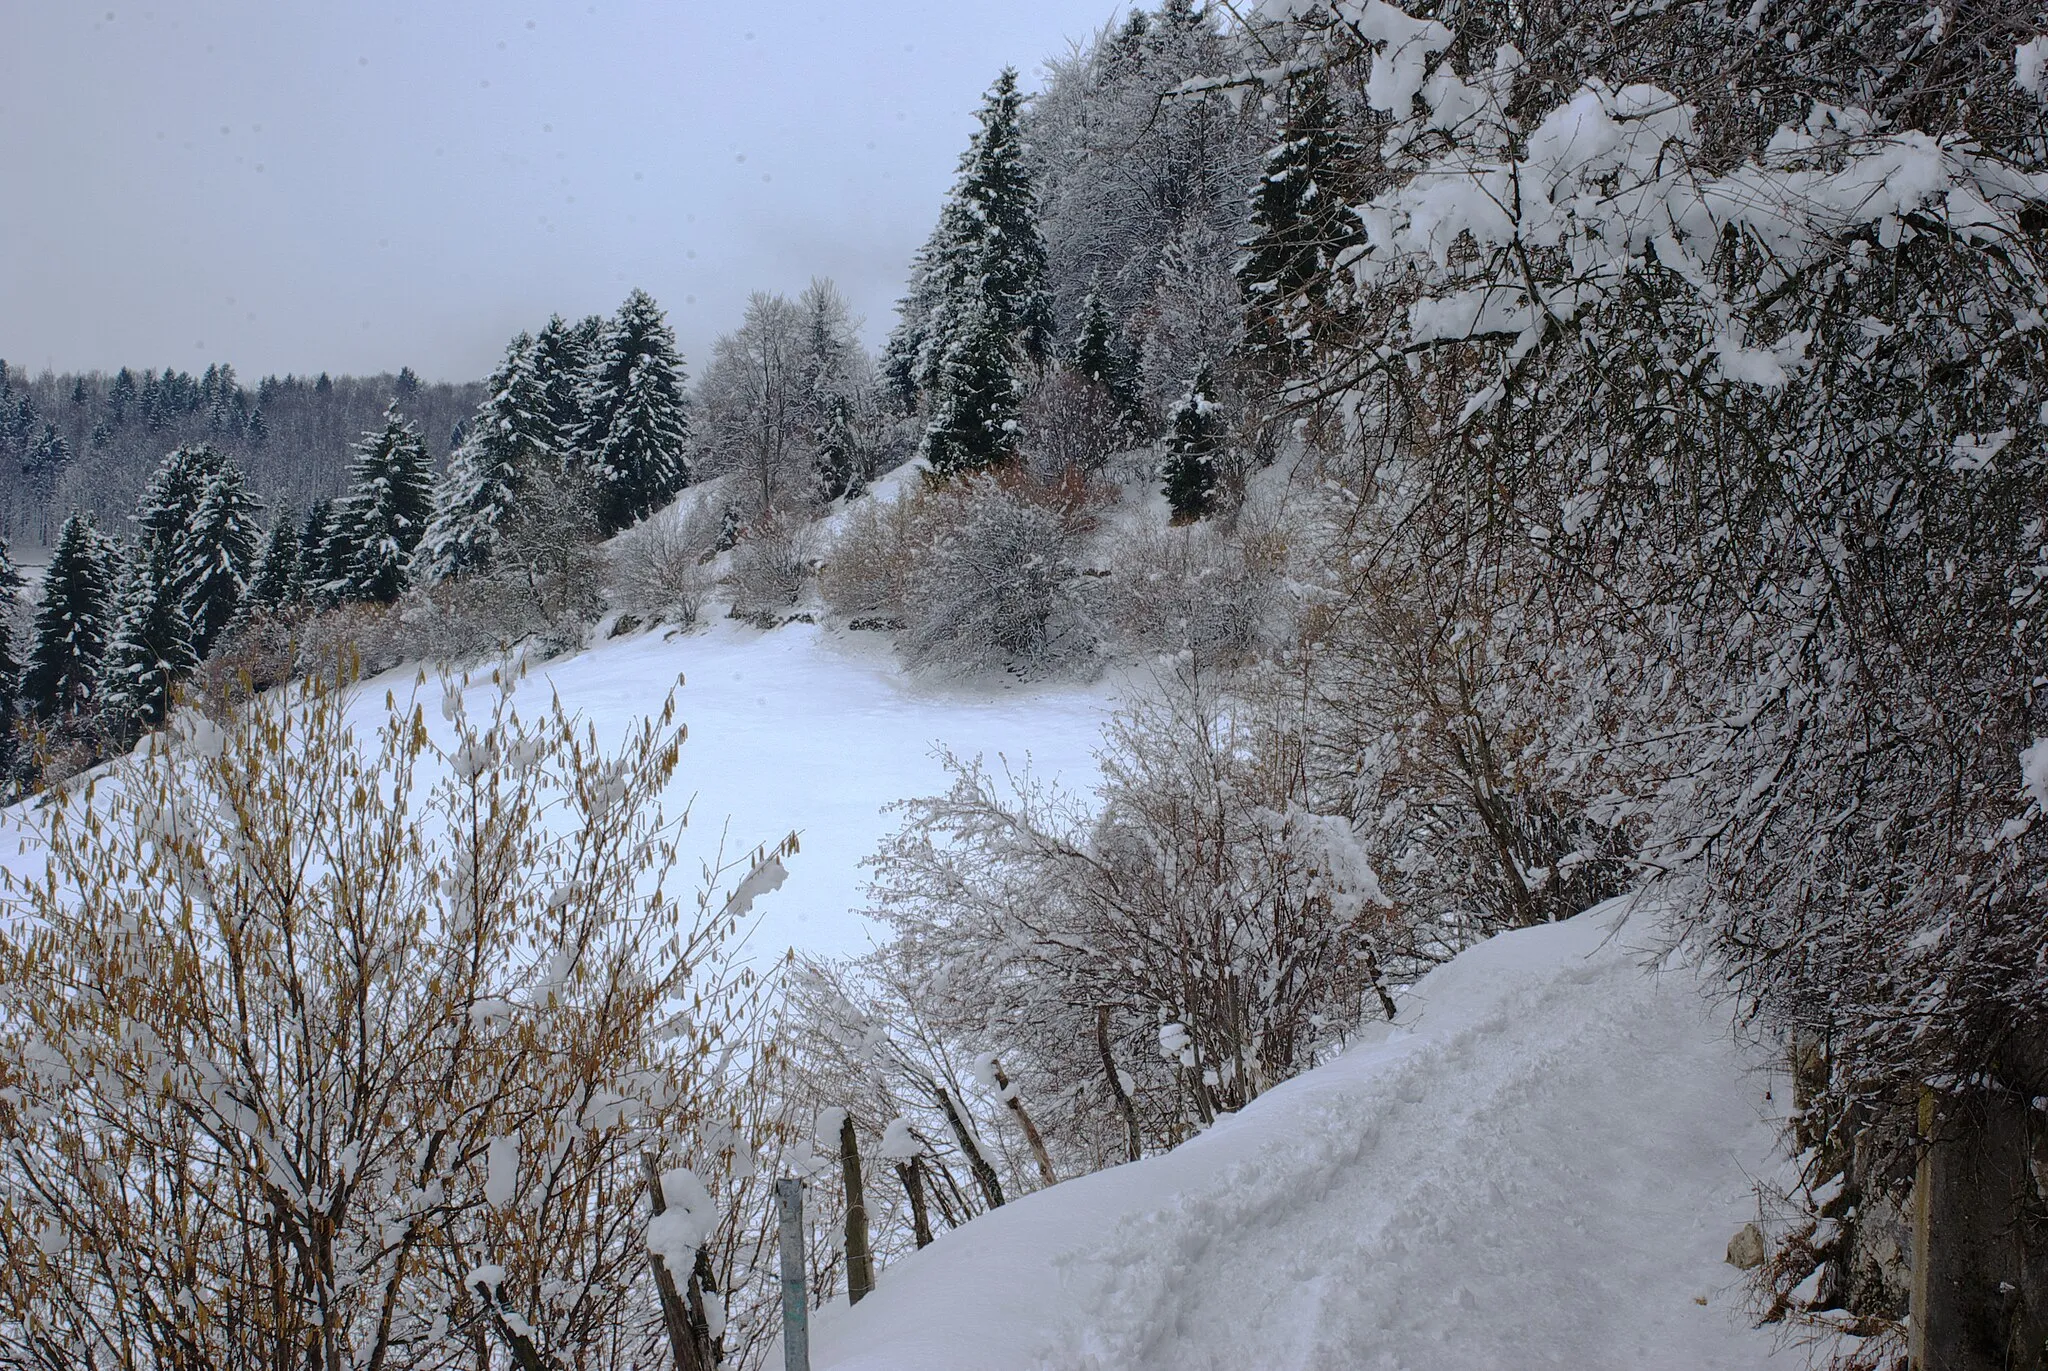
x: 89, y: 441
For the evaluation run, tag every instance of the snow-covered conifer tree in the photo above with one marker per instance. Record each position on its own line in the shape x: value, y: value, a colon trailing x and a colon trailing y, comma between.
x: 512, y: 431
x: 276, y: 582
x: 387, y: 509
x: 151, y: 648
x: 1301, y: 224
x: 1190, y: 472
x: 212, y: 563
x: 634, y: 445
x: 72, y: 622
x: 10, y: 668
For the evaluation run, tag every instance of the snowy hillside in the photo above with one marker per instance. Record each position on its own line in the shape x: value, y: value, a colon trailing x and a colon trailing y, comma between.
x: 802, y: 728
x: 1540, y: 1167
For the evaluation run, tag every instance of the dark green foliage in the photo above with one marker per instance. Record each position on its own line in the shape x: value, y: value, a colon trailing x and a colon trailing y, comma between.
x: 151, y: 648
x: 975, y: 396
x: 512, y: 434
x: 72, y: 623
x: 1301, y: 223
x: 276, y: 584
x: 1098, y: 357
x: 636, y: 433
x: 1191, y: 452
x: 385, y: 514
x: 10, y: 672
x: 213, y: 562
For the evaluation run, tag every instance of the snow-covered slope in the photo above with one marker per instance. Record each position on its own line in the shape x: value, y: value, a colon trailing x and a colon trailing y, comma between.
x: 1540, y: 1167
x: 801, y: 728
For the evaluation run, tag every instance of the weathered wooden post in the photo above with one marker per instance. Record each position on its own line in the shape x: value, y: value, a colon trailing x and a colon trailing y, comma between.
x: 911, y: 1173
x: 796, y: 1313
x: 860, y: 1263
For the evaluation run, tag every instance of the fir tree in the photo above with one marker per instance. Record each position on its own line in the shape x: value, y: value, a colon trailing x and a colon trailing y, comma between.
x: 561, y: 359
x: 170, y: 501
x: 386, y: 512
x: 985, y: 275
x: 1191, y: 452
x: 323, y: 554
x: 276, y: 583
x: 513, y: 432
x: 975, y: 396
x: 636, y: 432
x: 1097, y: 357
x: 151, y: 648
x: 10, y: 671
x: 71, y: 623
x: 212, y: 564
x: 1301, y: 223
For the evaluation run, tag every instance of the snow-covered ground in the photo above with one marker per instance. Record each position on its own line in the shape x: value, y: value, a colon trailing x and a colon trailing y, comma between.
x: 803, y: 728
x: 1540, y: 1167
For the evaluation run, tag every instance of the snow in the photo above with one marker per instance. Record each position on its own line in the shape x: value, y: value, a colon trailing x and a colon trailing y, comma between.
x: 2034, y: 773
x: 2030, y: 66
x: 1539, y: 1168
x: 678, y: 1231
x: 805, y: 727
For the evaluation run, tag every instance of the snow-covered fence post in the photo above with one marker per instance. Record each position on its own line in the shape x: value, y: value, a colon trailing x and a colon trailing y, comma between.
x: 911, y: 1173
x: 686, y: 1344
x: 860, y: 1262
x: 1007, y: 1092
x: 796, y: 1313
x: 984, y: 1174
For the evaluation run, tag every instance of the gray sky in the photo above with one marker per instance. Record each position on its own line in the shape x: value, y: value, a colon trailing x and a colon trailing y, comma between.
x: 356, y: 185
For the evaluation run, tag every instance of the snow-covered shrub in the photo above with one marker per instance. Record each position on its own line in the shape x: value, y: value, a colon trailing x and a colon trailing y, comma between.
x: 295, y: 981
x: 868, y: 566
x: 773, y: 563
x: 1231, y: 932
x: 1214, y: 592
x: 658, y: 568
x: 1072, y: 426
x: 997, y: 588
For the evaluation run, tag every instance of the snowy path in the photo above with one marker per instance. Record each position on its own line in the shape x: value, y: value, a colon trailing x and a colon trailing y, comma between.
x: 1541, y: 1168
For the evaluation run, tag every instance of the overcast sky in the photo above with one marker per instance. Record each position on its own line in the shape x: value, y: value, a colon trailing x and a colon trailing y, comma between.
x: 357, y: 185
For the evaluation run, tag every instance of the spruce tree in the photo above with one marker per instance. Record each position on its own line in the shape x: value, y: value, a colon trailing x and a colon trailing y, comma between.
x: 323, y: 554
x: 511, y: 434
x: 386, y: 512
x: 72, y: 623
x: 212, y: 564
x: 1301, y: 222
x: 975, y: 397
x: 1191, y: 452
x: 634, y: 444
x: 1097, y: 357
x: 170, y: 501
x: 10, y: 672
x: 560, y: 361
x: 151, y: 648
x: 985, y: 275
x: 276, y: 584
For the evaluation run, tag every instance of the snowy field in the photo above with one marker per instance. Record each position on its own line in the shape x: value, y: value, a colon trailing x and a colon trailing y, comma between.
x: 801, y: 728
x: 1541, y: 1167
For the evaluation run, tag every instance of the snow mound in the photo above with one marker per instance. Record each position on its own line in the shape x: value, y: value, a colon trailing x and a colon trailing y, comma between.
x: 1539, y: 1167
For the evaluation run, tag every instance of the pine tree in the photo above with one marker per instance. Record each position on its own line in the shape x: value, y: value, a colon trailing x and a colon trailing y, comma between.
x: 1191, y: 452
x: 276, y: 583
x: 386, y: 512
x: 1097, y: 357
x: 151, y: 648
x: 1301, y: 223
x: 985, y: 274
x: 212, y: 564
x: 561, y: 360
x: 170, y: 501
x: 72, y: 622
x: 512, y: 433
x: 10, y: 672
x: 636, y: 432
x: 975, y: 397
x: 323, y: 554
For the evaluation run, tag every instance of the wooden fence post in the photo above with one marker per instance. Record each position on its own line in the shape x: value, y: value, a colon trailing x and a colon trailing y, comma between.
x: 796, y: 1312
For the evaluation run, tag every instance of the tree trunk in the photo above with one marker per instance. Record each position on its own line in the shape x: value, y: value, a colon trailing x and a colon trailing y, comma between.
x: 1132, y: 1141
x: 860, y: 1265
x: 984, y: 1174
x: 1015, y: 1101
x: 911, y: 1173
